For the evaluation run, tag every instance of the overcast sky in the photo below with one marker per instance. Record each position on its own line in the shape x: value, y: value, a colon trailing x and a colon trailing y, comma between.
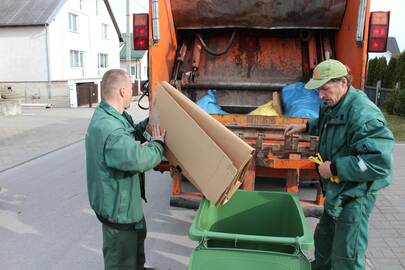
x: 397, y: 20
x: 119, y: 8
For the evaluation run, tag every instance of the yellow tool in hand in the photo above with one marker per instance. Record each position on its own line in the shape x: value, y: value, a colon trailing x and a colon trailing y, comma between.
x: 318, y: 160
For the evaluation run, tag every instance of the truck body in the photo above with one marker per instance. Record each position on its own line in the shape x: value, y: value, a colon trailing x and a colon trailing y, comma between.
x: 248, y: 51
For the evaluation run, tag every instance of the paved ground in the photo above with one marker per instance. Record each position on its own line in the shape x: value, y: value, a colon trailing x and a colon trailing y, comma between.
x: 38, y: 131
x: 387, y: 226
x: 46, y: 221
x: 41, y: 131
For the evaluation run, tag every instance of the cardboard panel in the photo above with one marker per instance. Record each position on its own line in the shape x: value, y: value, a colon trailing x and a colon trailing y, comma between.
x: 208, y: 154
x: 239, y: 151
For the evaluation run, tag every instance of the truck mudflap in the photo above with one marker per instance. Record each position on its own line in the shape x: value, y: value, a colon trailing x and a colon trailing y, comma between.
x: 260, y: 14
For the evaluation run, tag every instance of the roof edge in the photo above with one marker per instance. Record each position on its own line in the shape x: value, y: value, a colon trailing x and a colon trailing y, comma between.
x: 22, y: 25
x: 55, y: 11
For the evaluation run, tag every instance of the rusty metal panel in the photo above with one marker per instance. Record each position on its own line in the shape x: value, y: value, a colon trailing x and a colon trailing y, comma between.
x: 254, y: 58
x: 257, y: 63
x: 262, y: 14
x: 266, y: 135
x: 257, y: 121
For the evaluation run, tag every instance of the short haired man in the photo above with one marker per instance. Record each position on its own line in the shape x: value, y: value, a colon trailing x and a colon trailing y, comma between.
x: 117, y: 155
x: 357, y: 145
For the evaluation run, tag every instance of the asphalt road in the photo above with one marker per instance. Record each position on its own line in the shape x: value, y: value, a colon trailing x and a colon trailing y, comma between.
x: 46, y: 221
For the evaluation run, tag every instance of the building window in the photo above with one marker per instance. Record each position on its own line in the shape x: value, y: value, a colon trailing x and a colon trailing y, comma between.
x: 102, y: 60
x: 137, y: 70
x: 104, y: 31
x: 76, y: 59
x: 72, y: 22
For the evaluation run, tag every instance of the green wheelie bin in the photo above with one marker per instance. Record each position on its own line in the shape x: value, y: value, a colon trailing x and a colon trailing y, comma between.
x: 255, y: 228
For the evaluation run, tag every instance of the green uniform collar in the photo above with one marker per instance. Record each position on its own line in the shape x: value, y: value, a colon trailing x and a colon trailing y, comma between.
x: 339, y: 113
x: 124, y: 117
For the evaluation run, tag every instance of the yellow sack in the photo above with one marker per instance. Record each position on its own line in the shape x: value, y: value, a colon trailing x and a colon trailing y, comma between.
x: 265, y: 109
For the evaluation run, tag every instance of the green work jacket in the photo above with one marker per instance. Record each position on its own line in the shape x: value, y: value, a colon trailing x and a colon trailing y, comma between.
x: 354, y: 136
x: 116, y: 160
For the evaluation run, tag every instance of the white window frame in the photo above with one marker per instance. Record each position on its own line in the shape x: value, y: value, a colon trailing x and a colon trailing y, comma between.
x: 138, y: 71
x: 73, y: 25
x: 76, y: 59
x: 104, y: 31
x: 102, y: 60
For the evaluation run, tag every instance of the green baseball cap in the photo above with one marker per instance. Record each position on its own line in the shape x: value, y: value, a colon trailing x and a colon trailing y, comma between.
x: 326, y: 71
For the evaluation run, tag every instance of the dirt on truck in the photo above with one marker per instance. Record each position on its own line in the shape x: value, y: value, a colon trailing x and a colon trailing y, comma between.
x: 248, y: 51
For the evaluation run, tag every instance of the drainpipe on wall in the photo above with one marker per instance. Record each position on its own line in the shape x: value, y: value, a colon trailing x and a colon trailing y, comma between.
x: 48, y: 87
x: 128, y: 38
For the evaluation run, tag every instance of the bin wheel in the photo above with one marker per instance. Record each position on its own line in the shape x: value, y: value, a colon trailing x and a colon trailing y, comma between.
x: 313, y: 211
x: 179, y: 201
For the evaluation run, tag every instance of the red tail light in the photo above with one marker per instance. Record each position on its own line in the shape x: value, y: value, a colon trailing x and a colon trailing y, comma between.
x: 378, y: 36
x: 140, y: 30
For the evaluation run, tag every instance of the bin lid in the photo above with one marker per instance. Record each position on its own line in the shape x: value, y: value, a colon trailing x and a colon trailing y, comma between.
x: 238, y: 259
x: 254, y: 217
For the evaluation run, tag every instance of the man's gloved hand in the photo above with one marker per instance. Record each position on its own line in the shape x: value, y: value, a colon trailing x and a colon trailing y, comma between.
x: 158, y: 135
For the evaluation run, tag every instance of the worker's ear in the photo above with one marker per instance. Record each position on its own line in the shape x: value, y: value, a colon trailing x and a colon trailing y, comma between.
x: 344, y: 82
x: 121, y: 92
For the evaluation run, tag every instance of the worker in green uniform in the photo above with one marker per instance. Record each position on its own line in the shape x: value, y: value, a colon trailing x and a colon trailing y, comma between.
x: 117, y: 155
x: 356, y: 146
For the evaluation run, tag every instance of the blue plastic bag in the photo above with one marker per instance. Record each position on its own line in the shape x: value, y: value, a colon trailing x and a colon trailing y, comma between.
x: 300, y: 102
x: 209, y: 103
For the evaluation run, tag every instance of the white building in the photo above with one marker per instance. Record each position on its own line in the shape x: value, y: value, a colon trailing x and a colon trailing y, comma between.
x: 56, y: 51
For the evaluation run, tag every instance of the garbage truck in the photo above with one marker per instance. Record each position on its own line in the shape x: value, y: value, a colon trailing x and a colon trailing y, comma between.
x: 248, y: 51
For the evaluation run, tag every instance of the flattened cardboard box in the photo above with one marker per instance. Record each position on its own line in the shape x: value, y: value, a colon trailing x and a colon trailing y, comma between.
x: 212, y: 157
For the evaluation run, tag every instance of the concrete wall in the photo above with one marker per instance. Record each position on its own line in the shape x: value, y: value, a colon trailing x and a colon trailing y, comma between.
x: 56, y: 92
x: 10, y: 107
x: 23, y: 54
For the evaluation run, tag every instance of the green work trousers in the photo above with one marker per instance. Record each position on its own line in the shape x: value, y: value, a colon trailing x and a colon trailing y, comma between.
x: 341, y: 243
x: 124, y: 249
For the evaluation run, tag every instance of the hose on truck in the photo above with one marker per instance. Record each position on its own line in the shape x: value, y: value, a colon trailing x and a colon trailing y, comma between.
x: 145, y: 93
x: 212, y: 52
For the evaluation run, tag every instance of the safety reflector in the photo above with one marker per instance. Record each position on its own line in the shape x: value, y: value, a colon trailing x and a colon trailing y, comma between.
x: 378, y: 34
x: 140, y: 30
